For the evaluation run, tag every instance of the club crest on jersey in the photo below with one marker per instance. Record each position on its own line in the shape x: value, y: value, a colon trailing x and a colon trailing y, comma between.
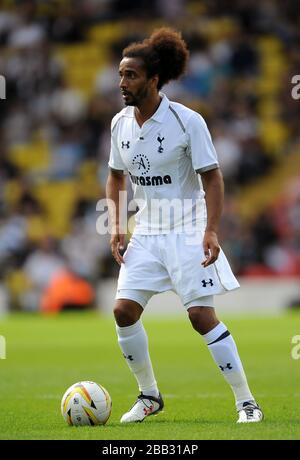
x: 125, y: 144
x: 160, y: 140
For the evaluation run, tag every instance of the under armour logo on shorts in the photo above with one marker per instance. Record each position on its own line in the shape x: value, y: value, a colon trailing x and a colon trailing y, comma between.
x: 205, y: 283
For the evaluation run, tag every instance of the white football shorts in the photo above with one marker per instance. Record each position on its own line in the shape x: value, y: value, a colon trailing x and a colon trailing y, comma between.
x: 159, y: 263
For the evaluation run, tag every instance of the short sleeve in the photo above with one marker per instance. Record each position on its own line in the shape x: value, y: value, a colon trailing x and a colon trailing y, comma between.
x: 200, y: 146
x: 115, y: 159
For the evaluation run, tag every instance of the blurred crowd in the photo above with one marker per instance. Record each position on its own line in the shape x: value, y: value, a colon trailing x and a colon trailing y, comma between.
x: 55, y: 138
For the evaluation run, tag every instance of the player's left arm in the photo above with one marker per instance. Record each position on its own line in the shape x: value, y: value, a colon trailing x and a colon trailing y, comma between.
x: 213, y: 186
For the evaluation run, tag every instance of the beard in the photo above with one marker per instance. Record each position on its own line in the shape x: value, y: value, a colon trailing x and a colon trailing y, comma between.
x: 137, y: 98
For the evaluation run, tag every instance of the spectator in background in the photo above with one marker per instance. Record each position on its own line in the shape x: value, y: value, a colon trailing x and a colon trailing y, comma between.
x: 228, y: 150
x: 67, y: 104
x: 67, y: 153
x: 222, y: 83
x: 12, y: 236
x: 27, y: 33
x: 17, y: 127
x: 83, y: 247
x: 40, y: 267
x: 107, y: 77
x: 66, y: 291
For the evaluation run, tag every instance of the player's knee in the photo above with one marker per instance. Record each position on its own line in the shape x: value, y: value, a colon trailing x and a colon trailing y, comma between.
x: 123, y: 317
x: 195, y: 315
x: 203, y: 319
x: 125, y: 314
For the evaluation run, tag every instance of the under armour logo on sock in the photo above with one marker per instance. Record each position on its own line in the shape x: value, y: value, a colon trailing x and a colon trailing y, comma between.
x: 228, y: 366
x: 210, y: 281
x: 129, y: 357
x: 125, y: 144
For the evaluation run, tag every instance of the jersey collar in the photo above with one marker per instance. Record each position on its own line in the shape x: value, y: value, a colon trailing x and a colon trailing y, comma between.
x: 162, y: 109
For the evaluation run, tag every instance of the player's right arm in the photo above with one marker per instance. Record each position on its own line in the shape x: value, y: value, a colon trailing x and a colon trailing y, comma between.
x: 116, y: 183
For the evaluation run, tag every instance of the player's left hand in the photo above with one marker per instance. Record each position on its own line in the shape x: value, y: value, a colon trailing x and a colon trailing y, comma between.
x: 211, y: 248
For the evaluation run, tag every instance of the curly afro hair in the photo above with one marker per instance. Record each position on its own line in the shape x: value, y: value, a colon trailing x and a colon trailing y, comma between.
x: 164, y: 54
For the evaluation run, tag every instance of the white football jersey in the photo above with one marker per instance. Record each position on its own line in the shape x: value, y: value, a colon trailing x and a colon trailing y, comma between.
x: 162, y: 159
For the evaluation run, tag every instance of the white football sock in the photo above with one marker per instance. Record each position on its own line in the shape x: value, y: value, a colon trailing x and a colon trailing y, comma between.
x: 224, y: 351
x: 133, y: 342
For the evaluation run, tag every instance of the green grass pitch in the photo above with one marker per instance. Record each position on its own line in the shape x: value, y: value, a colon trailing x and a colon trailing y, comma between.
x: 47, y: 355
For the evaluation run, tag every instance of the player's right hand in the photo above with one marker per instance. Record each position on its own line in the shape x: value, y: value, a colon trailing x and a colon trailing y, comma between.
x: 211, y: 248
x: 117, y: 243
